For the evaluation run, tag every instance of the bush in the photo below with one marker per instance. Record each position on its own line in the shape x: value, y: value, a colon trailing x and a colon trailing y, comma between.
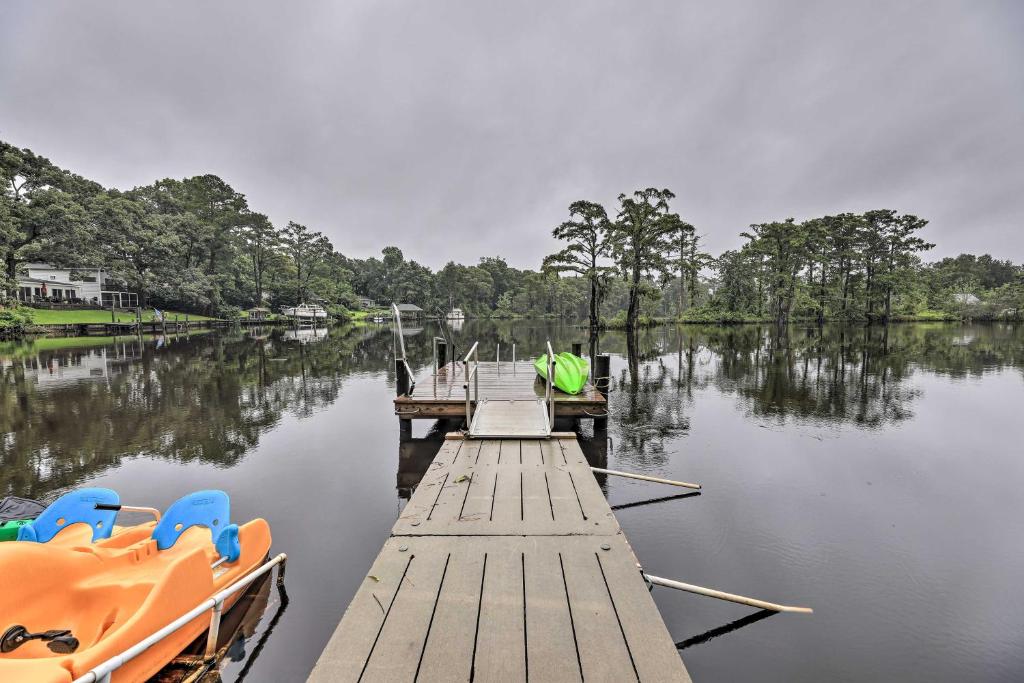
x: 14, y: 320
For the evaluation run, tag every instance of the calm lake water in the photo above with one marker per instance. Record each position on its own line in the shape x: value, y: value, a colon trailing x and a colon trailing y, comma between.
x: 875, y: 476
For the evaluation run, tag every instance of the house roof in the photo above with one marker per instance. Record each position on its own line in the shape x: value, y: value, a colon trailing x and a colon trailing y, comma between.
x: 409, y: 308
x: 35, y: 280
x: 47, y: 266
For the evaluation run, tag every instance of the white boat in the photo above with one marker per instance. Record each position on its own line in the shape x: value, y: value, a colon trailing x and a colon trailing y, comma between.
x: 305, y: 311
x: 456, y: 314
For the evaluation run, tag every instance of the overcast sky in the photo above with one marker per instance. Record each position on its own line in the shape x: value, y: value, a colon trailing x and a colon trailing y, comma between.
x: 459, y: 130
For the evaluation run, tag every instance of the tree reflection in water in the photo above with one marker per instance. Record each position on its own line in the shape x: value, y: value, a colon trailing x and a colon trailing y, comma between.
x: 858, y: 375
x: 68, y: 412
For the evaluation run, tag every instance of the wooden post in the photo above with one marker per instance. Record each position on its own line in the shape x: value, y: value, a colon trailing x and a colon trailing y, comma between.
x: 577, y: 349
x: 442, y: 354
x: 602, y: 376
x: 402, y: 378
x: 402, y: 382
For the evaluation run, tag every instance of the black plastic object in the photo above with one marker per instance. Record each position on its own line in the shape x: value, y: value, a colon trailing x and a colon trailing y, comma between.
x: 63, y: 645
x: 58, y: 640
x: 12, y: 508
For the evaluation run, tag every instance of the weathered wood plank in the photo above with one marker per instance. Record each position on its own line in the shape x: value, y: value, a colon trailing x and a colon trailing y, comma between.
x: 601, y: 646
x: 550, y: 640
x: 481, y: 491
x: 531, y: 581
x: 448, y: 651
x: 653, y: 651
x: 549, y: 606
x: 396, y: 654
x: 501, y: 638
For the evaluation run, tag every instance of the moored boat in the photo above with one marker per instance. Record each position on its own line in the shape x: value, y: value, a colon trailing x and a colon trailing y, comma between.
x: 80, y: 591
x: 571, y: 371
x: 305, y: 311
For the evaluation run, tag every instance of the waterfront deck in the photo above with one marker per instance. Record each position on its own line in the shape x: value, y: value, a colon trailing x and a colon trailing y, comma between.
x: 443, y: 395
x: 506, y: 564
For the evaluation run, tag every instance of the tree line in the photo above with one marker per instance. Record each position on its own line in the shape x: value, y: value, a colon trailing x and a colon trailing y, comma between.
x: 195, y: 244
x: 845, y: 267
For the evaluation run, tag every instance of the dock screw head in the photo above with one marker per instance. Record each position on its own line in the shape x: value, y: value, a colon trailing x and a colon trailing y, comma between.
x: 605, y: 546
x: 402, y: 548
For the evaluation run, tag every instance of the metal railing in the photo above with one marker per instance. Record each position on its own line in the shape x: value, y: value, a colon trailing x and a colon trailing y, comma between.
x: 549, y: 392
x: 471, y: 375
x: 102, y: 672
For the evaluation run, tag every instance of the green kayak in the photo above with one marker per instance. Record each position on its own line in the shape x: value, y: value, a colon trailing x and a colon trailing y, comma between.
x: 571, y: 371
x: 15, y: 513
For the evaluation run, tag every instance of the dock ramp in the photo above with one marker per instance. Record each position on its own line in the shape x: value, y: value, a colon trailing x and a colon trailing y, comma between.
x: 522, y: 419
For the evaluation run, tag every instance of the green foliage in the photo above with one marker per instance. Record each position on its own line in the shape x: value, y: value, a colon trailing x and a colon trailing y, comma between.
x: 587, y: 235
x: 194, y: 244
x: 14, y: 319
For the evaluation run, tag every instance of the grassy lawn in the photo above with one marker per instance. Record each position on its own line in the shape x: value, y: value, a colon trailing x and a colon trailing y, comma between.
x: 42, y: 316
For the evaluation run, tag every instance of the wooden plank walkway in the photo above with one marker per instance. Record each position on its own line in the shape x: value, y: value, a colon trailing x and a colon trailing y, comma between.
x: 442, y: 395
x: 507, y: 564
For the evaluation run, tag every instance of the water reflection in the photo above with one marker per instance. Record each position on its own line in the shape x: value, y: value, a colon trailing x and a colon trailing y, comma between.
x: 73, y: 409
x: 67, y: 412
x: 832, y: 374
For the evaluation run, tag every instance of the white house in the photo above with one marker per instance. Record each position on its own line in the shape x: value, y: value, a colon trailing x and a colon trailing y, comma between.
x: 42, y: 282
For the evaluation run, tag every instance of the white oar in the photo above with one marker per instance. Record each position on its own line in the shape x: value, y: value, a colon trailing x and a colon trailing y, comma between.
x: 644, y: 477
x: 731, y: 597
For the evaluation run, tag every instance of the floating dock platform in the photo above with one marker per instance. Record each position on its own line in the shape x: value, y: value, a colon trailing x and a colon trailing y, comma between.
x: 441, y: 394
x: 507, y: 564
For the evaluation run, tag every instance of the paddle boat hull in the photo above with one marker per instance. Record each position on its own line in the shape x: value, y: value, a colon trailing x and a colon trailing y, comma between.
x: 111, y: 593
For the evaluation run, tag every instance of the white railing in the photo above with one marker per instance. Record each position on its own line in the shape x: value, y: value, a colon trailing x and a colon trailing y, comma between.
x: 101, y: 673
x: 549, y: 392
x: 471, y: 375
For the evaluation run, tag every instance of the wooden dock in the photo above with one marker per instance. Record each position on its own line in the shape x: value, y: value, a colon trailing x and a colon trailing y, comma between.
x: 507, y: 564
x: 443, y: 395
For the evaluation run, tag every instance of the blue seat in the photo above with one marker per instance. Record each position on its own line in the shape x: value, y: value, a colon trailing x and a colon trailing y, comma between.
x: 73, y: 508
x: 211, y: 509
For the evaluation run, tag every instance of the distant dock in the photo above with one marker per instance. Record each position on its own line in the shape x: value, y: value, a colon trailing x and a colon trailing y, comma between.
x: 507, y: 564
x: 456, y: 388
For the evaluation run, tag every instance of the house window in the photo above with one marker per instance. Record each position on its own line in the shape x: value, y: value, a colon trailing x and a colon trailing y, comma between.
x: 24, y: 293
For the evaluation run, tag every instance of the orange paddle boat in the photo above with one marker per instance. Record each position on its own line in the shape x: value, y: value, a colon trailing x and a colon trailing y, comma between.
x: 79, y: 591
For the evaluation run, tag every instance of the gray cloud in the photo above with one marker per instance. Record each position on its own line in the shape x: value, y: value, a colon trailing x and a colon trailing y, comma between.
x: 457, y: 130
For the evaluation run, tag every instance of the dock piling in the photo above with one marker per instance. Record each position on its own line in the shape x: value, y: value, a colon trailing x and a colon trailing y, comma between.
x: 602, y: 379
